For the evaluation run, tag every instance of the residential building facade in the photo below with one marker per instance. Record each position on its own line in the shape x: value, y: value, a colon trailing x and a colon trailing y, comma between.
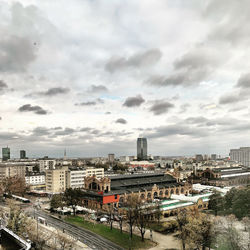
x: 241, y: 155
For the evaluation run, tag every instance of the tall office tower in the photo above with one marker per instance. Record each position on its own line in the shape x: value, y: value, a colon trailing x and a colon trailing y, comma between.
x: 213, y: 157
x: 142, y: 149
x: 111, y: 158
x: 22, y: 154
x: 5, y: 154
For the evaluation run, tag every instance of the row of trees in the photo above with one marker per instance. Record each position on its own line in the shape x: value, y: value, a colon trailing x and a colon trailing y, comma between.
x: 236, y: 201
x: 71, y: 197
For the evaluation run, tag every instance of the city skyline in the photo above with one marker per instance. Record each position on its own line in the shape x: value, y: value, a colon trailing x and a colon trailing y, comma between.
x: 96, y: 79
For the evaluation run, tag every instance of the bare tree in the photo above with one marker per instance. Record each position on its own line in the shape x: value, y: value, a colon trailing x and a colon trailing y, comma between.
x: 17, y: 221
x: 131, y: 204
x: 144, y: 211
x: 65, y: 242
x: 182, y: 221
x: 14, y: 185
x: 120, y: 217
x: 111, y: 215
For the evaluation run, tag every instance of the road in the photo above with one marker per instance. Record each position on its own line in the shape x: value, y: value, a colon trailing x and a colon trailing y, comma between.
x: 89, y: 238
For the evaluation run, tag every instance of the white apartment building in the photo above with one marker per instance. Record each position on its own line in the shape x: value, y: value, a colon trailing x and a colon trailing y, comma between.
x: 75, y: 178
x: 241, y: 155
x: 57, y: 180
x: 35, y: 179
x: 46, y: 164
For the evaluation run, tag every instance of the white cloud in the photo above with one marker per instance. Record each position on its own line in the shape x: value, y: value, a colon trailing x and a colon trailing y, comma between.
x: 100, y: 55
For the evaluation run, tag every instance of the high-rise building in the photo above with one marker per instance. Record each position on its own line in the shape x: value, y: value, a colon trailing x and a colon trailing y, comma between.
x: 142, y: 149
x: 213, y: 157
x: 5, y: 153
x: 111, y: 158
x: 22, y: 154
x: 241, y: 155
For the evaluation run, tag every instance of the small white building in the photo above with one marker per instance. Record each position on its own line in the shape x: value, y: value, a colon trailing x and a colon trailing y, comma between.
x: 75, y: 177
x: 35, y: 179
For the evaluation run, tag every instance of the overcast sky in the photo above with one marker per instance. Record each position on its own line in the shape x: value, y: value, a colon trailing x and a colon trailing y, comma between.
x: 92, y: 76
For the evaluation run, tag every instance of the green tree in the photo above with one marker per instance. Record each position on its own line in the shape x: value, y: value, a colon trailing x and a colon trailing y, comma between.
x: 56, y: 201
x: 241, y: 203
x: 73, y: 197
x: 216, y: 202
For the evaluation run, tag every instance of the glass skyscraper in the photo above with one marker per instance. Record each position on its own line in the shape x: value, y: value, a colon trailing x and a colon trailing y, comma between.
x: 22, y: 154
x: 142, y: 149
x: 5, y: 154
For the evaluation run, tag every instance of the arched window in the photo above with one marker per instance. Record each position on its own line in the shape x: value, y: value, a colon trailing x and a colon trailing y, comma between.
x: 166, y: 192
x: 177, y: 191
x: 149, y: 195
x: 161, y: 193
x: 155, y: 194
x: 94, y: 185
x: 182, y: 190
x: 142, y: 196
x: 172, y: 191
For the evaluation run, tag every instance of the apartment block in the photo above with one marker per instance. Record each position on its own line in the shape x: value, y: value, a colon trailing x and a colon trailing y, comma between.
x: 46, y: 164
x: 56, y: 180
x: 11, y: 170
x: 241, y: 155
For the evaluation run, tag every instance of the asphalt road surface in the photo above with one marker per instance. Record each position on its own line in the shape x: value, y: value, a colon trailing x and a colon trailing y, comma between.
x: 89, y: 238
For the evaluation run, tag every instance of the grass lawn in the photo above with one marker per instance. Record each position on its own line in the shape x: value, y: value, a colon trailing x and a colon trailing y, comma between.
x: 113, y: 235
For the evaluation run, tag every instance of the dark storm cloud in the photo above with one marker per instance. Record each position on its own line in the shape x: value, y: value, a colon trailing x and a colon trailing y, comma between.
x: 190, y: 69
x: 3, y: 85
x: 230, y: 98
x: 9, y: 136
x: 91, y: 103
x: 36, y: 109
x: 241, y: 91
x: 55, y: 91
x: 50, y: 92
x: 97, y: 89
x: 66, y: 131
x: 161, y: 107
x: 244, y: 81
x: 40, y: 131
x: 233, y: 29
x: 138, y: 60
x: 196, y: 120
x: 121, y: 121
x: 176, y: 129
x: 85, y: 129
x: 133, y: 101
x: 16, y: 53
x: 184, y: 107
